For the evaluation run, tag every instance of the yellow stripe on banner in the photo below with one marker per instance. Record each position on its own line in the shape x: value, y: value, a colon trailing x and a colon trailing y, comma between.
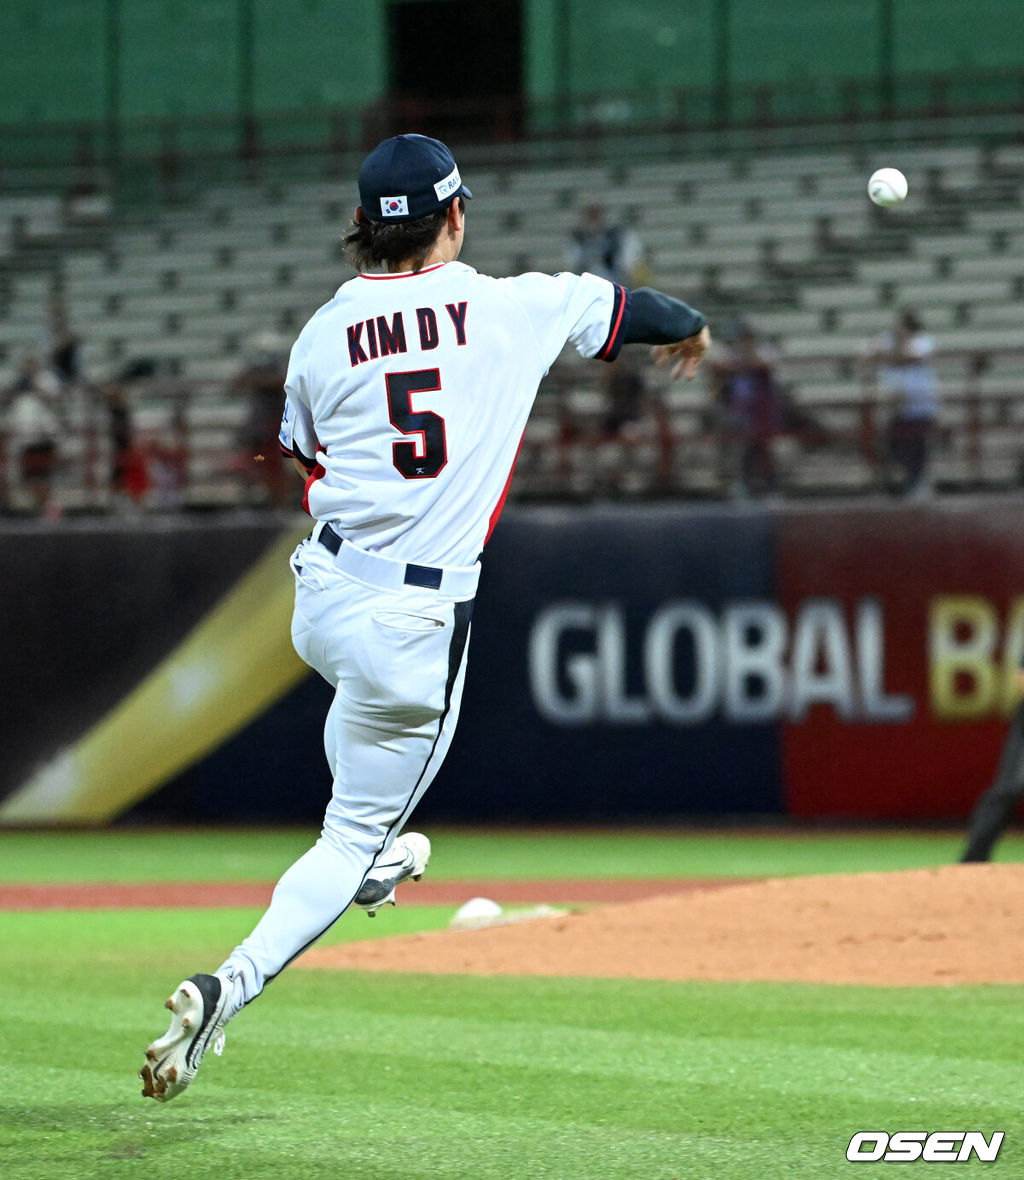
x: 236, y: 663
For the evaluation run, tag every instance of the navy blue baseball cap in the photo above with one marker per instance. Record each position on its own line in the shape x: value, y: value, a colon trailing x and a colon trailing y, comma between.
x: 408, y: 176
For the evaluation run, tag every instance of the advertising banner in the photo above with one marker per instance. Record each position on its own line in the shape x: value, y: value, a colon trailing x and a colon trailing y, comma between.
x: 911, y: 625
x: 626, y: 662
x: 596, y: 684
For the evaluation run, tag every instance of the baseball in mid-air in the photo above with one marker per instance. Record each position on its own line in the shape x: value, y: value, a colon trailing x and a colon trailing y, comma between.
x: 887, y: 187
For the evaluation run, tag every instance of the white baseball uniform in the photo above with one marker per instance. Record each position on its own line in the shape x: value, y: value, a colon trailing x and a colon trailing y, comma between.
x: 407, y: 397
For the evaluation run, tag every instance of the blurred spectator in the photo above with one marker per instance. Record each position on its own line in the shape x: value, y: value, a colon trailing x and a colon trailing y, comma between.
x: 635, y: 430
x: 65, y: 346
x: 906, y: 378
x: 35, y: 428
x: 615, y: 437
x: 261, y: 382
x: 611, y: 251
x: 166, y: 461
x: 748, y: 396
x: 129, y: 479
x: 627, y: 395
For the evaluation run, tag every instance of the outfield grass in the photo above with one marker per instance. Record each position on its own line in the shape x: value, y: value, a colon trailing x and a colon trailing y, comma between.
x: 376, y: 1077
x: 238, y: 854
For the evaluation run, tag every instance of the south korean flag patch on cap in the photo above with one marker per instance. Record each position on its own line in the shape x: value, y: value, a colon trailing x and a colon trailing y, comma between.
x: 394, y: 206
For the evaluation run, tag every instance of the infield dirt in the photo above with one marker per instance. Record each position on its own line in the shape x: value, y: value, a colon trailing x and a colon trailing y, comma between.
x: 958, y: 924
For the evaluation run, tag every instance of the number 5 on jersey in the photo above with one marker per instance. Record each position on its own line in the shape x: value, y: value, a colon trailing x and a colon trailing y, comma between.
x: 426, y: 457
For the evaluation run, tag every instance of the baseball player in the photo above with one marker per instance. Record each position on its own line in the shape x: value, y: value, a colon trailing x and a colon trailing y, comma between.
x: 406, y: 398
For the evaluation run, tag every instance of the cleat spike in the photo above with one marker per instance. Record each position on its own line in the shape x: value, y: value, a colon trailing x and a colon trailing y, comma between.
x: 201, y: 1008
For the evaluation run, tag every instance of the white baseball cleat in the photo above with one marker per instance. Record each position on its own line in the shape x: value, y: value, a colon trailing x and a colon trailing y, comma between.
x: 200, y: 1011
x: 406, y: 858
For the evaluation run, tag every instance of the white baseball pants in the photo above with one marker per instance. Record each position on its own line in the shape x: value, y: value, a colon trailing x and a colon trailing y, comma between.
x: 396, y: 656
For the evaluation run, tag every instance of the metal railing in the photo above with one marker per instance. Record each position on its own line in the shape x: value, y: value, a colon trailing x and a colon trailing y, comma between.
x: 187, y: 465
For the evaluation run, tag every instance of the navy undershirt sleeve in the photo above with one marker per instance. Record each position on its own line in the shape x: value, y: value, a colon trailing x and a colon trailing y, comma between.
x: 295, y: 453
x: 655, y: 318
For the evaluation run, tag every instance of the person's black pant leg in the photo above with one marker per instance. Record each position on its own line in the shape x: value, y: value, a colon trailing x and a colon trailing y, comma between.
x: 992, y: 812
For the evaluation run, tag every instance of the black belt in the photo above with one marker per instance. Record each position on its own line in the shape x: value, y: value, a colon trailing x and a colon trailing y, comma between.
x: 427, y: 576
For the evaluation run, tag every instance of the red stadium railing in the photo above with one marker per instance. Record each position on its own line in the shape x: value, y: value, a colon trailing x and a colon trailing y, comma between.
x: 181, y: 464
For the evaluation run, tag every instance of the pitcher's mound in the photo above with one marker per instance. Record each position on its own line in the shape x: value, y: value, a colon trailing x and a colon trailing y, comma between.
x: 952, y: 925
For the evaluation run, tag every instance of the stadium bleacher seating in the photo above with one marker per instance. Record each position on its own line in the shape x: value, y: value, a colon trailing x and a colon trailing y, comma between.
x: 785, y: 241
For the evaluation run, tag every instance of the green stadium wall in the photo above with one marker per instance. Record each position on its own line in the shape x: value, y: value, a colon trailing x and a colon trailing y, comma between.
x: 121, y: 63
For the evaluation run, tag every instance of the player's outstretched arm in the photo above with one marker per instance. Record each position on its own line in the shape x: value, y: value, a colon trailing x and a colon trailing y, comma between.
x: 679, y: 332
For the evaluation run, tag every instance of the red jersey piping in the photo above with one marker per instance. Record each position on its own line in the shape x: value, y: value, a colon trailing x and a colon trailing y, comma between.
x: 405, y: 274
x: 504, y: 493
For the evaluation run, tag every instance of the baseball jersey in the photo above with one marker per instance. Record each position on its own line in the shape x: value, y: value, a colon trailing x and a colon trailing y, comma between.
x: 407, y: 396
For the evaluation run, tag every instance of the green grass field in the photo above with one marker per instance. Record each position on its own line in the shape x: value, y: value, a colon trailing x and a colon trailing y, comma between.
x: 362, y: 1076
